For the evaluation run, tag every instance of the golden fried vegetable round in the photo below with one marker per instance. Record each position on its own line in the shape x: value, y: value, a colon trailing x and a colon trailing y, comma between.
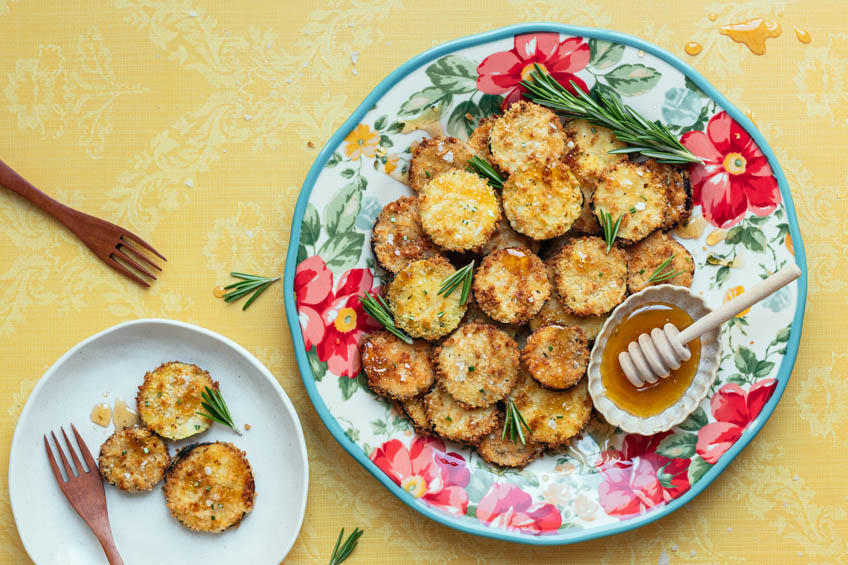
x: 644, y: 258
x: 542, y: 199
x: 454, y: 423
x: 396, y: 369
x: 479, y: 139
x: 503, y: 452
x: 553, y: 312
x: 511, y: 285
x: 459, y: 210
x: 556, y: 356
x: 679, y: 193
x: 477, y: 365
x: 416, y: 411
x: 589, y: 280
x: 133, y: 459
x: 169, y: 399
x: 526, y: 132
x: 637, y: 194
x: 417, y: 307
x: 505, y: 236
x: 210, y: 487
x: 554, y: 417
x: 588, y: 149
x: 434, y: 156
x: 398, y: 237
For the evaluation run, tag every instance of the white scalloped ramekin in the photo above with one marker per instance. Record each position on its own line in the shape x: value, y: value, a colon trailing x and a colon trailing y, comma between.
x: 684, y: 299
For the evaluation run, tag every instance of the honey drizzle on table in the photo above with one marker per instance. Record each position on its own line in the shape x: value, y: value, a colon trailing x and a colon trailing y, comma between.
x: 753, y: 33
x: 650, y: 399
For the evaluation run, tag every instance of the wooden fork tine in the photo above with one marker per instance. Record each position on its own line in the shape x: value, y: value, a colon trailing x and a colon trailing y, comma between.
x: 126, y: 272
x: 133, y: 263
x: 65, y: 463
x: 86, y: 454
x: 132, y: 237
x: 77, y: 462
x: 138, y: 254
x: 56, y: 472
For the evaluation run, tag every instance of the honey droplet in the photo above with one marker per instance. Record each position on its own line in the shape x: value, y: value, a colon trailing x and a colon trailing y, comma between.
x: 101, y: 414
x: 716, y: 236
x: 753, y: 33
x: 123, y: 416
x: 693, y: 48
x: 713, y: 16
x: 691, y: 229
x: 640, y: 53
x: 733, y: 293
x: 803, y: 35
x: 219, y: 291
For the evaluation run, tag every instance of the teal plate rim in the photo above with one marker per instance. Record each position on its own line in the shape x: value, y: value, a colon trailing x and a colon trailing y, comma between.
x: 476, y: 528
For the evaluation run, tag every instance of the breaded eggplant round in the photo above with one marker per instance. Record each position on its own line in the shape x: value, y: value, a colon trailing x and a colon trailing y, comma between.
x: 398, y: 238
x: 417, y: 307
x: 511, y: 285
x: 434, y: 156
x: 638, y: 194
x: 416, y: 411
x: 133, y: 459
x: 459, y: 210
x: 526, y: 132
x: 588, y: 149
x: 553, y: 312
x: 169, y: 399
x: 589, y: 280
x: 453, y: 422
x: 554, y: 417
x: 477, y: 365
x: 209, y: 487
x: 644, y: 258
x: 556, y: 356
x: 479, y: 139
x: 505, y: 236
x: 396, y: 369
x: 542, y: 200
x: 503, y: 452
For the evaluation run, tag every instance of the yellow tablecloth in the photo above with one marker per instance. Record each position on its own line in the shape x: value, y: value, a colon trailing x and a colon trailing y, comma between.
x: 194, y: 124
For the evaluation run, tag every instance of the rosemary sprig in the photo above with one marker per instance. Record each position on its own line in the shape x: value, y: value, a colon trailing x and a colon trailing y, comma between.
x: 662, y: 274
x: 249, y: 284
x: 216, y: 408
x: 464, y: 276
x: 651, y: 139
x: 380, y: 311
x: 483, y: 168
x: 513, y: 423
x: 610, y: 227
x: 343, y: 550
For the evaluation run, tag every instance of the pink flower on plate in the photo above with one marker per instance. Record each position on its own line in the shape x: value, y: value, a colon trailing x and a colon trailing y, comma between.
x: 733, y: 409
x: 501, y: 73
x: 636, y: 478
x: 426, y: 471
x: 735, y: 176
x: 507, y: 506
x: 313, y: 287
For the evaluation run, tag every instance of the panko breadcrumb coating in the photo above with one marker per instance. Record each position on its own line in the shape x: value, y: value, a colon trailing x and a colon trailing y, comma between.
x: 511, y: 285
x: 398, y: 238
x: 503, y: 452
x: 637, y: 193
x: 646, y: 256
x: 554, y: 417
x: 396, y: 369
x: 556, y: 356
x: 588, y: 149
x: 133, y: 459
x: 525, y: 132
x: 416, y: 410
x: 434, y: 156
x: 169, y: 399
x: 589, y: 280
x: 505, y: 236
x: 454, y: 423
x: 542, y: 199
x: 479, y: 139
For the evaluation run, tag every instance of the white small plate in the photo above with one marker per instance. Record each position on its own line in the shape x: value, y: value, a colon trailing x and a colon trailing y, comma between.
x: 112, y: 365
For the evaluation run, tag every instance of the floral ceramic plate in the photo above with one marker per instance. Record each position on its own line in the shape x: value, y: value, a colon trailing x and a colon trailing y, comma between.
x: 606, y: 481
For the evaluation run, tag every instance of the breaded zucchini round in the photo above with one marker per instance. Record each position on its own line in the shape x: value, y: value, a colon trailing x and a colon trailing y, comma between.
x: 646, y: 257
x: 416, y: 410
x: 477, y: 365
x: 434, y: 156
x: 637, y: 193
x: 505, y: 236
x: 553, y: 312
x: 588, y: 149
x: 396, y: 369
x: 454, y: 423
x: 133, y: 459
x: 459, y: 210
x: 398, y: 238
x: 589, y: 280
x: 417, y: 307
x: 556, y: 356
x: 554, y: 417
x: 526, y: 132
x: 479, y: 140
x: 209, y: 487
x: 679, y: 193
x: 169, y: 399
x: 542, y: 199
x: 511, y: 285
x: 503, y: 452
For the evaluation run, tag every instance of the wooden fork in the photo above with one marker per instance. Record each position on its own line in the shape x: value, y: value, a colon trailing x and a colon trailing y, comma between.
x: 111, y: 243
x: 84, y: 490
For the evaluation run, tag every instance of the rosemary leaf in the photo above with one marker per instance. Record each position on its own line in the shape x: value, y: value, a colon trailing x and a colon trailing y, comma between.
x: 610, y: 228
x: 483, y: 168
x: 248, y: 284
x: 662, y: 273
x: 343, y: 550
x: 378, y: 309
x: 514, y: 423
x: 216, y: 409
x: 462, y: 276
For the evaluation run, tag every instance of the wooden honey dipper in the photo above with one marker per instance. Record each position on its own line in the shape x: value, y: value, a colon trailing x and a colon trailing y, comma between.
x: 653, y: 356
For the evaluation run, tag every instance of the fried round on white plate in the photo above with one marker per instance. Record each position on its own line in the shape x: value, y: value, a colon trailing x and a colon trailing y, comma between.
x: 542, y: 199
x: 554, y: 417
x: 477, y: 365
x: 511, y: 285
x: 638, y: 194
x: 505, y: 236
x: 587, y: 150
x: 417, y: 307
x: 434, y: 156
x: 589, y: 280
x: 453, y: 422
x: 644, y: 258
x: 416, y: 411
x: 396, y: 369
x: 503, y: 452
x: 553, y: 312
x: 459, y: 210
x: 679, y: 193
x: 398, y: 238
x: 133, y: 459
x: 210, y: 487
x: 526, y: 132
x: 170, y: 397
x: 556, y: 356
x: 479, y: 139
